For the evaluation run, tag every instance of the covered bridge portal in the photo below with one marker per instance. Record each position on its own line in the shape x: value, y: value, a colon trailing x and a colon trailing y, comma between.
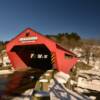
x: 32, y: 49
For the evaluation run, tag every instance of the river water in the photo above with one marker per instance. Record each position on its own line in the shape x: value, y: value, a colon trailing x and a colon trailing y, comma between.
x: 17, y: 83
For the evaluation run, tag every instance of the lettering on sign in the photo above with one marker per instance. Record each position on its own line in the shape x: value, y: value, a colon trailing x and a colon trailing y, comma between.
x: 39, y: 56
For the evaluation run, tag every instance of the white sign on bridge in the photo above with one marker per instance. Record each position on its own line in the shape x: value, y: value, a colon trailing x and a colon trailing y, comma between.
x: 28, y: 39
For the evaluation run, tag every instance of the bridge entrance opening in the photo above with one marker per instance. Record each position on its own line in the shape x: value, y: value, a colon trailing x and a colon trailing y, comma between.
x: 35, y: 56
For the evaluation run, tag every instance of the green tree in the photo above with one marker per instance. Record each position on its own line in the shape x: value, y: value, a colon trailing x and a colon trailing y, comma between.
x: 2, y: 46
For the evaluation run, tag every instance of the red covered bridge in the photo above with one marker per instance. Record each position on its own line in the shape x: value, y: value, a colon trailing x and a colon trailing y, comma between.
x: 32, y: 49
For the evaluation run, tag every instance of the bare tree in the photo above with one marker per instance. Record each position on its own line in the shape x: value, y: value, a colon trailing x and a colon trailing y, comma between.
x: 91, y: 49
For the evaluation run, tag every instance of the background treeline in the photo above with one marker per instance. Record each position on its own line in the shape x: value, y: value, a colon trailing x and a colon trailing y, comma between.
x: 72, y: 40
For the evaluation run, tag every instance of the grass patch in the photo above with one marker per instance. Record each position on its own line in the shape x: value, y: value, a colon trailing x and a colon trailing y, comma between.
x: 83, y: 66
x: 5, y: 68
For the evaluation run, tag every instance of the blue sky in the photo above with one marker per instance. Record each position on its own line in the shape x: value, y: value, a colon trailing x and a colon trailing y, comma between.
x: 50, y: 17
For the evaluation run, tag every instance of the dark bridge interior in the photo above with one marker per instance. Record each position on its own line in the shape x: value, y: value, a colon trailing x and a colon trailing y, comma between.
x: 35, y: 56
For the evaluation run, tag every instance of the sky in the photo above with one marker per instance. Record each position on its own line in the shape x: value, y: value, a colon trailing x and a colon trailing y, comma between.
x: 50, y: 17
